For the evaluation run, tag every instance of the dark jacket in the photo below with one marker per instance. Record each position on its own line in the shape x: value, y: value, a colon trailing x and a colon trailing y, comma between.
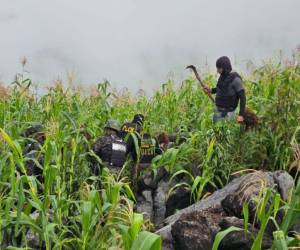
x: 230, y: 89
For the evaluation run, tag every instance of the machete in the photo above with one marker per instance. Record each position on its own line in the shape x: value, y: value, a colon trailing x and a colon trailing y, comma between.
x: 193, y: 68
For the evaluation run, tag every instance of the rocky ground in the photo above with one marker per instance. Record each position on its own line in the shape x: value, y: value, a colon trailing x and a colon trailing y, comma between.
x: 195, y: 226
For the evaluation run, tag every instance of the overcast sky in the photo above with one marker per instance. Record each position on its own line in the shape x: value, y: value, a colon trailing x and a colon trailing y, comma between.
x: 139, y: 43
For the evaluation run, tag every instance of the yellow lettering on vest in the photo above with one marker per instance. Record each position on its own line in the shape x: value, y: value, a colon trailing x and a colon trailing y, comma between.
x: 128, y: 129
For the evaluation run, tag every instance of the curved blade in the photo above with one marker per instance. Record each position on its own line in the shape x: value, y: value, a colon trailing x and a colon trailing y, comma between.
x: 193, y: 68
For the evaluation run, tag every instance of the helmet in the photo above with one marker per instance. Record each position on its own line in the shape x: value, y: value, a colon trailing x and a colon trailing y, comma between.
x: 139, y: 119
x: 113, y: 124
x: 33, y: 129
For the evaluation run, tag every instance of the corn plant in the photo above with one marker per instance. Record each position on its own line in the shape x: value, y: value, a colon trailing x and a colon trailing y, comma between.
x: 71, y: 209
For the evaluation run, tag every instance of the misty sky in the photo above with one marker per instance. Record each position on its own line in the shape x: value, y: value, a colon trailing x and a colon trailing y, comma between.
x: 139, y: 43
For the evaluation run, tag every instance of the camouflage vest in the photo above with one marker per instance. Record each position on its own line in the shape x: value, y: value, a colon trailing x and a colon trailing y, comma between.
x: 148, y: 145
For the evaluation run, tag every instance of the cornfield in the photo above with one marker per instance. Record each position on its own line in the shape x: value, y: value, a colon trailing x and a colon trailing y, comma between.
x: 71, y: 209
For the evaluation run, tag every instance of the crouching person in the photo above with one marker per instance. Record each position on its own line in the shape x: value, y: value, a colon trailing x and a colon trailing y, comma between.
x: 110, y: 148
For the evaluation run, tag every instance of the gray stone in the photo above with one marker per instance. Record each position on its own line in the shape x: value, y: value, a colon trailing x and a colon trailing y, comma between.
x: 249, y: 191
x: 145, y: 204
x: 159, y: 198
x: 166, y: 235
x: 33, y: 239
x: 285, y: 183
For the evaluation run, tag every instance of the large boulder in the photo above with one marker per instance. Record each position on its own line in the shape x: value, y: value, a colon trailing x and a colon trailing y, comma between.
x: 237, y: 240
x: 196, y: 230
x: 249, y: 191
x: 178, y: 199
x: 213, y: 201
x: 209, y: 202
x: 190, y: 229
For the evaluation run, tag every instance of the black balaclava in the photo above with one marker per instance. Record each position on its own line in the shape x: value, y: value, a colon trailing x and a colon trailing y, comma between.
x: 227, y: 76
x: 224, y: 63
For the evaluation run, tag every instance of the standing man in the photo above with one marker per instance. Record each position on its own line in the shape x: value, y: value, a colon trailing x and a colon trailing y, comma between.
x: 229, y: 92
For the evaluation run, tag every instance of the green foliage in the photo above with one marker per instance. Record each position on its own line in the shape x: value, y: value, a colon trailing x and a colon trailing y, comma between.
x: 75, y: 210
x: 134, y: 238
x: 221, y: 235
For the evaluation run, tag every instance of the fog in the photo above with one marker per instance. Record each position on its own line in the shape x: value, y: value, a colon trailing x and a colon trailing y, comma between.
x: 139, y: 43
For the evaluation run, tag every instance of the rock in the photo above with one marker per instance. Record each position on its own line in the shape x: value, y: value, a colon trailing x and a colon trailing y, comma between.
x: 179, y: 199
x: 33, y: 240
x: 238, y: 239
x: 166, y: 235
x: 150, y: 181
x: 249, y: 191
x: 230, y: 199
x: 210, y: 202
x: 213, y: 200
x: 196, y: 230
x: 159, y: 198
x: 145, y: 204
x: 154, y: 189
x: 285, y: 183
x: 146, y: 182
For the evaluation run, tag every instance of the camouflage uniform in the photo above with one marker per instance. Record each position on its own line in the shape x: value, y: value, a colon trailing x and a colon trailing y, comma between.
x: 149, y: 149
